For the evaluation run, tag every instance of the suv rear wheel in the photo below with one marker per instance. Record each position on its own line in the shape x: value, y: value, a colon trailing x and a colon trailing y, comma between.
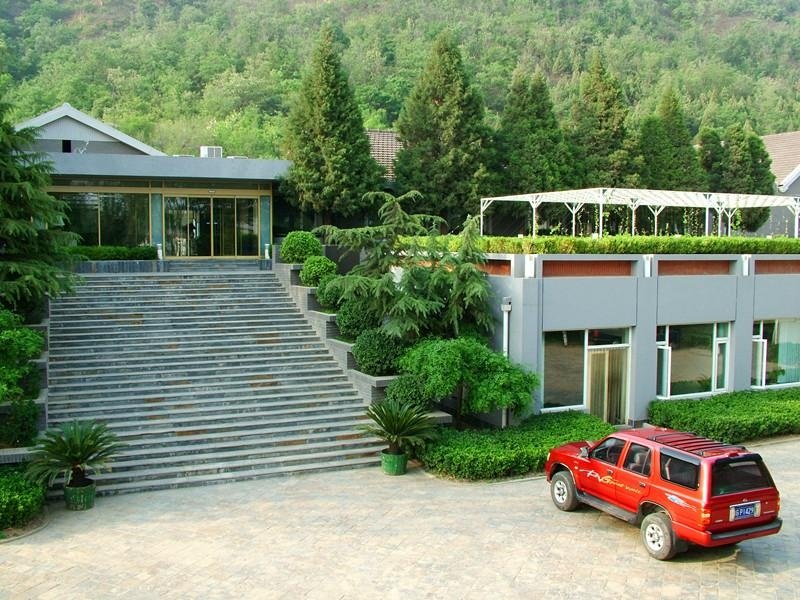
x: 562, y: 491
x: 658, y: 537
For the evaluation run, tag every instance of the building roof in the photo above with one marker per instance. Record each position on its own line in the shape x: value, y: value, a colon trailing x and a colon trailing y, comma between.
x: 383, y: 147
x: 784, y: 150
x: 67, y: 111
x: 167, y: 167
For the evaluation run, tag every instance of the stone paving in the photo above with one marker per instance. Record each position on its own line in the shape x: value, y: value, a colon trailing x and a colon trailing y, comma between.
x: 361, y: 534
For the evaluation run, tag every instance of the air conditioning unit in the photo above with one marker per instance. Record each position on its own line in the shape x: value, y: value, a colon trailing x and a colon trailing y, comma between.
x: 210, y: 151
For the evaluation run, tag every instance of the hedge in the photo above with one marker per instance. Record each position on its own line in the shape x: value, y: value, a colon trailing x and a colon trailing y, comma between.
x: 297, y: 246
x: 354, y: 318
x: 628, y: 244
x: 493, y: 453
x: 315, y: 268
x: 115, y: 252
x: 20, y: 499
x: 376, y: 352
x: 734, y: 417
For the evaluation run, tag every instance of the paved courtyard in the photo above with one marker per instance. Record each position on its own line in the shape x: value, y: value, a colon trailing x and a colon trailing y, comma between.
x: 361, y: 534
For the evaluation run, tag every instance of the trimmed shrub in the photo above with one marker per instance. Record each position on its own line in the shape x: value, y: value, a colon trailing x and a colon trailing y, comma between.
x: 354, y: 318
x: 628, y: 244
x: 20, y: 499
x: 18, y: 426
x: 297, y: 246
x: 409, y: 389
x: 115, y: 252
x: 328, y: 296
x: 734, y: 417
x: 376, y: 352
x: 515, y: 451
x: 315, y: 268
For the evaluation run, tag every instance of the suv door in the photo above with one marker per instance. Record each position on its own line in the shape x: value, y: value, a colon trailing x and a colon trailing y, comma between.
x: 633, y: 479
x: 598, y: 476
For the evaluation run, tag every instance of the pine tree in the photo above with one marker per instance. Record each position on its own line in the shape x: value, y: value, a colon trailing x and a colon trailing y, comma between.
x: 32, y: 245
x: 682, y: 170
x: 746, y: 169
x: 598, y: 132
x: 325, y: 139
x: 712, y: 156
x: 533, y: 154
x: 444, y: 137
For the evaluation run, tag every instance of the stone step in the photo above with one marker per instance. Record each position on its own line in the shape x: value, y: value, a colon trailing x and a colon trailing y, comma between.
x: 155, y: 364
x: 127, y: 462
x: 180, y: 480
x: 193, y: 354
x: 168, y: 314
x: 145, y: 324
x: 103, y: 411
x: 188, y: 394
x: 134, y: 451
x: 310, y: 422
x: 164, y: 300
x: 203, y: 419
x: 261, y: 333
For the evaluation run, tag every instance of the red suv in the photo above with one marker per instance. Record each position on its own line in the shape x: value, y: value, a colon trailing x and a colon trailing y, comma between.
x: 680, y: 487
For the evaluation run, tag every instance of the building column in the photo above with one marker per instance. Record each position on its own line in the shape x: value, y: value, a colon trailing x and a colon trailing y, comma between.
x: 156, y: 220
x: 265, y: 225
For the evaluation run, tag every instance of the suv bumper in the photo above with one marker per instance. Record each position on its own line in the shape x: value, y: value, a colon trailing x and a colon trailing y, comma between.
x: 733, y: 536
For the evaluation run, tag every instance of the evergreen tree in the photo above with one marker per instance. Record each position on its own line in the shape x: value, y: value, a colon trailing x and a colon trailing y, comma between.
x: 444, y: 137
x: 654, y: 153
x: 32, y: 246
x: 332, y: 168
x: 598, y: 131
x: 746, y: 169
x: 712, y: 156
x: 682, y: 170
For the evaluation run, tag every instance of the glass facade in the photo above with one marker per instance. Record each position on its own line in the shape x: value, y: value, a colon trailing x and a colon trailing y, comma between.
x: 111, y: 219
x: 692, y: 359
x: 776, y: 352
x: 202, y: 226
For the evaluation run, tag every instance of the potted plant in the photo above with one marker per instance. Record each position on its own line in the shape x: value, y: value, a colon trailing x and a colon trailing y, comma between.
x: 402, y: 426
x: 71, y: 451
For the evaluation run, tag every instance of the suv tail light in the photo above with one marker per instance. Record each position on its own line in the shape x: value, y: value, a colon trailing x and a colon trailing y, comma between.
x: 705, y: 517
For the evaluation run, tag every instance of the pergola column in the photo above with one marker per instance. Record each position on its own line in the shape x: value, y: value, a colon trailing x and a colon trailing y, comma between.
x: 656, y: 211
x: 534, y: 202
x: 573, y: 207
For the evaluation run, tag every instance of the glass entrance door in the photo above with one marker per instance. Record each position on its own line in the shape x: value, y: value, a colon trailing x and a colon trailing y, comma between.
x: 607, y: 387
x: 207, y: 227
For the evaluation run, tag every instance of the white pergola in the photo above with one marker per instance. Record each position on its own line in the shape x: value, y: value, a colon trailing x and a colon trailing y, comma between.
x: 725, y: 205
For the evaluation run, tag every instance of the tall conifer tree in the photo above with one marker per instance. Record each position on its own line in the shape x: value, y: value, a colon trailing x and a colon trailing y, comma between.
x: 325, y: 139
x: 598, y: 131
x: 444, y: 137
x: 32, y: 244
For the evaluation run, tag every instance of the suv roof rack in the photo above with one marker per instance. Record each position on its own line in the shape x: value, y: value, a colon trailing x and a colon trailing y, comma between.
x: 694, y: 444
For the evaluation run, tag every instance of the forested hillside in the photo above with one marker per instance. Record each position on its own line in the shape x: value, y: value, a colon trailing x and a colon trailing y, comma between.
x: 180, y: 73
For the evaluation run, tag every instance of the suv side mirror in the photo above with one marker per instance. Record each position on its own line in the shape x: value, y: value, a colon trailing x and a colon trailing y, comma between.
x: 584, y: 452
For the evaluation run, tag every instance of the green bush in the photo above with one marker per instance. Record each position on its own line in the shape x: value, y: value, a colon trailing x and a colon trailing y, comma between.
x: 20, y: 499
x: 409, y: 389
x: 315, y: 268
x: 354, y: 318
x: 115, y: 252
x: 734, y: 417
x: 329, y: 296
x: 493, y: 453
x: 490, y: 379
x: 297, y: 246
x: 376, y: 352
x: 627, y: 244
x: 18, y: 424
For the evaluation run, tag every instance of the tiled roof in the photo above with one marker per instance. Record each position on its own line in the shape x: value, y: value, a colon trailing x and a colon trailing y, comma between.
x: 784, y: 150
x: 383, y: 146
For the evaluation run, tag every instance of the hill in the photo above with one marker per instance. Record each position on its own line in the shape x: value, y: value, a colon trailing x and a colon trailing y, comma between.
x: 180, y: 73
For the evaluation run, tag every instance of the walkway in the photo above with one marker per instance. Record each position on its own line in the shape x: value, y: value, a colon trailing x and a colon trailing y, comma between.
x: 360, y: 534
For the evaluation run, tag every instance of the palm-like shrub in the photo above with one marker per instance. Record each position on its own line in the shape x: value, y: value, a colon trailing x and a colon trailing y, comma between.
x: 400, y: 425
x: 71, y: 451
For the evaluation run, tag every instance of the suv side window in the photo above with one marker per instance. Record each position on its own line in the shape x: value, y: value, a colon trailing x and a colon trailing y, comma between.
x: 637, y: 459
x: 609, y: 451
x: 679, y: 471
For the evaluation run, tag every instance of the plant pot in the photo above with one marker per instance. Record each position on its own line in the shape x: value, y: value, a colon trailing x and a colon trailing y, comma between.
x: 79, y: 498
x: 394, y: 464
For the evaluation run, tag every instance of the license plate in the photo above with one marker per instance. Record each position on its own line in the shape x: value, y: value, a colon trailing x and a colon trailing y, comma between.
x: 745, y: 511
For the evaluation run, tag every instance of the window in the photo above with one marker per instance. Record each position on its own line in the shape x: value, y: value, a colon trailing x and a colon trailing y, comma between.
x: 729, y: 476
x: 637, y: 459
x: 776, y: 352
x: 609, y: 451
x: 107, y: 218
x: 692, y: 359
x: 679, y: 470
x: 563, y: 368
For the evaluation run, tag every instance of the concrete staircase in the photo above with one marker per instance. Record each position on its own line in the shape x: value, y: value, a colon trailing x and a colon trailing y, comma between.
x: 205, y: 375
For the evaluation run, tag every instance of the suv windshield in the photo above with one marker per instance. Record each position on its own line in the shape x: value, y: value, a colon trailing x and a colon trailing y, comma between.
x: 730, y: 475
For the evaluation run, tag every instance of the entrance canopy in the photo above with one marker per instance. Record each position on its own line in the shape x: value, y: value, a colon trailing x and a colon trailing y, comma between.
x: 725, y: 205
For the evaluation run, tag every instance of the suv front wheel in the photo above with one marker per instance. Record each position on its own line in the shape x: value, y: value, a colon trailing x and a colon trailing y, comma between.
x: 562, y: 491
x: 658, y: 537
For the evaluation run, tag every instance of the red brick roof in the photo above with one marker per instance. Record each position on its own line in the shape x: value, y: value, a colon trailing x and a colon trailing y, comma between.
x: 383, y: 146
